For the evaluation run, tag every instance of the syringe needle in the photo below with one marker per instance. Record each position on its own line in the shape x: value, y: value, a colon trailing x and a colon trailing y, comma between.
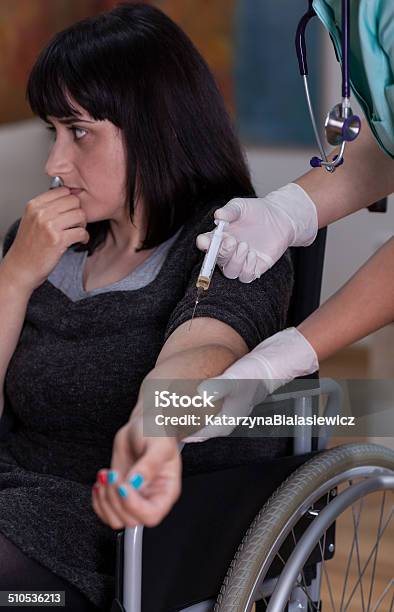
x: 200, y: 291
x: 194, y: 310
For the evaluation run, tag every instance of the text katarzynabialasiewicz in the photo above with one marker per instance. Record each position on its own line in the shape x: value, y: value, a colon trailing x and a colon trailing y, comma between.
x: 281, y: 420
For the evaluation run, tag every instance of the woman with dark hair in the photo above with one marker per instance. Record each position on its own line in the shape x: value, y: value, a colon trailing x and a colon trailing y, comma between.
x: 97, y: 290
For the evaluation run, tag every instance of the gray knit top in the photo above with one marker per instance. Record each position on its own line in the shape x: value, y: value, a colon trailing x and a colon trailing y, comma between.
x: 68, y: 274
x: 74, y: 378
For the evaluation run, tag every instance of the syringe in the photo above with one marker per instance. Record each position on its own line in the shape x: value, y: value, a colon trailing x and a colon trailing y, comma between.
x: 209, y: 263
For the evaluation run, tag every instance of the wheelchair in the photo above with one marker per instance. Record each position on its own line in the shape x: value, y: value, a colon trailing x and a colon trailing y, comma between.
x: 275, y: 552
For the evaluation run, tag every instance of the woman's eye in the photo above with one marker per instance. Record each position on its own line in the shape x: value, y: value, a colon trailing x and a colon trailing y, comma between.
x: 77, y: 131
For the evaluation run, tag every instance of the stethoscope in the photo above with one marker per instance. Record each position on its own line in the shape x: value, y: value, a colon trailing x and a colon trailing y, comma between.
x: 341, y: 126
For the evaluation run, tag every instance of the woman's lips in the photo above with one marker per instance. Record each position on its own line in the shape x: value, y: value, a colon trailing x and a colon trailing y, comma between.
x: 75, y: 191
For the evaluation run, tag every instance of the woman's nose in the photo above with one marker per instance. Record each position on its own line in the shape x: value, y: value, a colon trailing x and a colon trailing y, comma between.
x: 60, y: 160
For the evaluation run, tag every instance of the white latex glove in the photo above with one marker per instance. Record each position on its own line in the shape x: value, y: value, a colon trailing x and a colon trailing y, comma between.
x: 247, y: 382
x: 261, y: 229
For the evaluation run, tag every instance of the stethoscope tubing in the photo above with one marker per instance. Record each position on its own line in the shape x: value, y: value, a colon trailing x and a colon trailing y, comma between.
x: 344, y: 122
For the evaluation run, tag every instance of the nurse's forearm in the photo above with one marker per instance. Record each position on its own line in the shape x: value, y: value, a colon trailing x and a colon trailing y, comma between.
x: 362, y: 306
x: 367, y: 175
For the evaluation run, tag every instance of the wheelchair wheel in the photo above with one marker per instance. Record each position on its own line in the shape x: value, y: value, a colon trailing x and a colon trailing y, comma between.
x: 283, y: 562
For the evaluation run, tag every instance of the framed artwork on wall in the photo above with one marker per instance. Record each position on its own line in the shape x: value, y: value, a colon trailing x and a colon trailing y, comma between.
x: 249, y: 45
x: 25, y: 27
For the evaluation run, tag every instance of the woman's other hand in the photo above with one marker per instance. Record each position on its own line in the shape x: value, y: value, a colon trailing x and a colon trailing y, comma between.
x: 261, y: 229
x: 144, y: 481
x: 51, y: 222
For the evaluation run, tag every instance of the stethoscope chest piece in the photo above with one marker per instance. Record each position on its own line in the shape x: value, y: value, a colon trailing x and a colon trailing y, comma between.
x: 341, y: 126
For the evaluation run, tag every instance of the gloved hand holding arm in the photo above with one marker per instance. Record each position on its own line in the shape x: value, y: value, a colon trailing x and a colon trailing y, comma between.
x: 261, y: 229
x: 362, y: 306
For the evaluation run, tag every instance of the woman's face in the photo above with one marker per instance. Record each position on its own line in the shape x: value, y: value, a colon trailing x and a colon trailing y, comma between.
x: 90, y: 156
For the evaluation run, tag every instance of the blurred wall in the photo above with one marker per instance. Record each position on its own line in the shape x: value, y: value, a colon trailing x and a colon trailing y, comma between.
x: 23, y: 148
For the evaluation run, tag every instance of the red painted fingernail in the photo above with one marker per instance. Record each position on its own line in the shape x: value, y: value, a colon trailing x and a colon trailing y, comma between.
x: 96, y: 487
x: 102, y: 477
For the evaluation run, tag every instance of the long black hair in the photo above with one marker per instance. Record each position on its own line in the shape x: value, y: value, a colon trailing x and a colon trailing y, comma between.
x: 136, y: 68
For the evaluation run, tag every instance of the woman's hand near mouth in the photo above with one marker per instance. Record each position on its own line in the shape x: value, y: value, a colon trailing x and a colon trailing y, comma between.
x: 52, y: 221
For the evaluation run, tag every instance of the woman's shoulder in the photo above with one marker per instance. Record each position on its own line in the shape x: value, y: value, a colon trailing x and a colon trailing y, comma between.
x: 202, y: 219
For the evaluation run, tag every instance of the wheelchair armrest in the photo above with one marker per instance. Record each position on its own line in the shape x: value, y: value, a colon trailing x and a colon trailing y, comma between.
x: 302, y: 396
x: 326, y: 386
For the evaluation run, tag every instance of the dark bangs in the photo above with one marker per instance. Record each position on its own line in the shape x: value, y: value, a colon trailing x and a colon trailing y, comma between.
x: 136, y: 68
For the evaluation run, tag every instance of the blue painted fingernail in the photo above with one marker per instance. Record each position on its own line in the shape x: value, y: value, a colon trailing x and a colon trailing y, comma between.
x: 112, y: 477
x: 136, y: 480
x: 122, y: 491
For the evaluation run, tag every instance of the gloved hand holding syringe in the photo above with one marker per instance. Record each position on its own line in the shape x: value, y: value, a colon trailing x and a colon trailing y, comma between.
x: 209, y: 263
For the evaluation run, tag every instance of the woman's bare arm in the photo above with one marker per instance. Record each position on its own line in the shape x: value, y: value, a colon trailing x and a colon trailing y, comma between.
x: 205, y: 351
x: 366, y: 176
x: 204, y: 332
x: 14, y: 298
x: 362, y: 306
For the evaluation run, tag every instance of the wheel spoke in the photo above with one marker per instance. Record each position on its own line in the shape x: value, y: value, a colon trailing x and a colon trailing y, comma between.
x: 376, y: 551
x: 355, y: 527
x: 377, y: 608
x: 347, y: 567
x: 281, y: 559
x: 369, y: 557
x: 326, y: 575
